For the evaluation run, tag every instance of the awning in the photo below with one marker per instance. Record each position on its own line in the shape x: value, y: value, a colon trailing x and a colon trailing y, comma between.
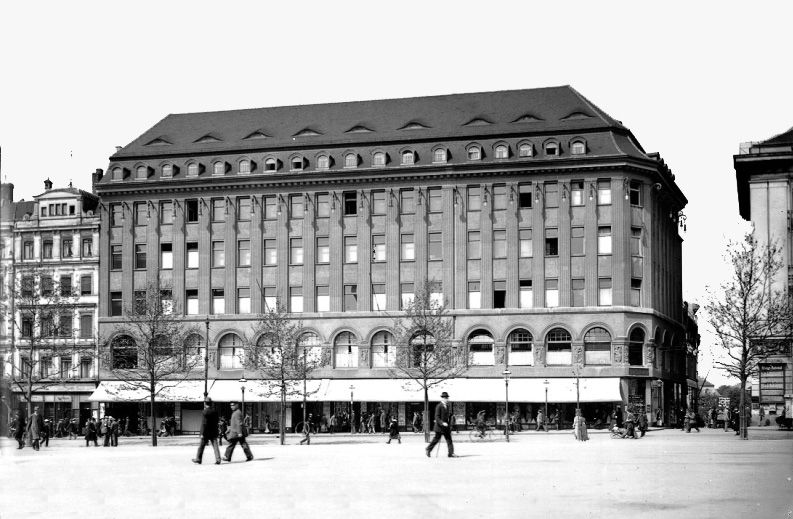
x: 267, y: 391
x: 118, y: 391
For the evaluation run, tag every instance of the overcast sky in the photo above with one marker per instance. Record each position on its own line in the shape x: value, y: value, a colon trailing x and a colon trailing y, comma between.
x: 691, y: 79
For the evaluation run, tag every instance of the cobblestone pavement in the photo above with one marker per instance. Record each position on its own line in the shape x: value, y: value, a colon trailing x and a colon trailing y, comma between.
x: 665, y: 474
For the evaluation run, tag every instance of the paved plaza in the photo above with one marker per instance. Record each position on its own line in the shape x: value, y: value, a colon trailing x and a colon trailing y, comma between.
x: 665, y: 474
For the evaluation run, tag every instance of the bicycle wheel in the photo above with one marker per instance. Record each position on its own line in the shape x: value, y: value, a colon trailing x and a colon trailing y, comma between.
x: 298, y: 428
x: 488, y: 435
x: 473, y: 435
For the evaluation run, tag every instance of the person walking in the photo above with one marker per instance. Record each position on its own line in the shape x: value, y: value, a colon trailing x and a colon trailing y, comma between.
x: 90, y: 432
x: 642, y: 424
x: 371, y: 422
x: 46, y: 432
x: 393, y: 431
x: 332, y: 423
x: 34, y: 428
x: 415, y: 422
x: 105, y: 430
x: 222, y: 431
x: 19, y: 430
x: 630, y: 423
x: 442, y: 418
x: 761, y: 416
x: 114, y: 431
x: 541, y: 421
x: 237, y: 434
x: 306, y: 433
x: 209, y: 433
x: 691, y: 417
x: 72, y: 428
x: 579, y: 427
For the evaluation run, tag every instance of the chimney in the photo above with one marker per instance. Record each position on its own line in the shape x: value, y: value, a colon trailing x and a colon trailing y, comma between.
x: 96, y: 177
x: 118, y: 148
x: 47, y: 185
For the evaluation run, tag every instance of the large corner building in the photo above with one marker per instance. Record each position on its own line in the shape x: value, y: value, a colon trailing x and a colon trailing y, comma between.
x: 542, y: 223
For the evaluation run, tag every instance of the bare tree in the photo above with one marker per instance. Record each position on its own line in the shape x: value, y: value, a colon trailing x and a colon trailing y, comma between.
x: 149, y: 353
x: 425, y: 352
x: 750, y: 318
x: 41, y: 311
x: 282, y: 358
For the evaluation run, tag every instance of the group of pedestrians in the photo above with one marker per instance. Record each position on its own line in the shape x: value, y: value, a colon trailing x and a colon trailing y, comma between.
x: 210, y: 432
x: 32, y: 429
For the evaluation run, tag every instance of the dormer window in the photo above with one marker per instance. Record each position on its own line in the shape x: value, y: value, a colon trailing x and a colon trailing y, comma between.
x: 245, y: 167
x: 297, y: 164
x: 378, y: 159
x: 439, y: 155
x: 578, y: 148
x: 526, y: 150
x: 141, y: 173
x: 167, y: 170
x: 218, y: 168
x: 351, y: 160
x: 323, y: 162
x: 192, y: 169
x: 408, y: 158
x: 270, y: 165
x: 502, y: 151
x: 552, y: 149
x: 117, y: 174
x: 474, y: 153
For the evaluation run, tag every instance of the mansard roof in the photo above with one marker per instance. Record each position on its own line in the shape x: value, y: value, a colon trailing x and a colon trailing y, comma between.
x: 531, y: 111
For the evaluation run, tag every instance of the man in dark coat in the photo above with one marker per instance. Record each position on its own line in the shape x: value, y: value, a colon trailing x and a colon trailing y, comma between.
x: 19, y: 430
x: 34, y: 428
x: 209, y: 432
x: 237, y: 435
x: 443, y: 413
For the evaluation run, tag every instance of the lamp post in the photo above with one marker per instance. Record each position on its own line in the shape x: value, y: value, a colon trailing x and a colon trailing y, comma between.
x: 546, y: 382
x: 206, y: 359
x: 242, y: 391
x: 352, y: 412
x: 506, y: 374
x: 304, y: 386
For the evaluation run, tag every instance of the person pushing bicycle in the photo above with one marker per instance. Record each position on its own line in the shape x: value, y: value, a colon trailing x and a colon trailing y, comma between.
x: 480, y: 423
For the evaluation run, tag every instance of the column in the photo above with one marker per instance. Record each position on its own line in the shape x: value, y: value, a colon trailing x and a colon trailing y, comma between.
x: 486, y: 235
x: 257, y: 216
x: 513, y: 249
x: 450, y: 264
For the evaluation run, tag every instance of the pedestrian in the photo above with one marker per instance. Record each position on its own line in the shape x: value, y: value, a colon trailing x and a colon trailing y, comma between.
x: 19, y: 430
x: 659, y: 418
x: 692, y: 420
x: 105, y: 429
x: 579, y: 427
x: 442, y: 418
x: 236, y: 434
x: 371, y: 422
x: 761, y: 415
x: 541, y: 421
x: 114, y: 425
x: 393, y: 431
x: 332, y: 423
x: 642, y: 424
x: 630, y: 423
x: 72, y: 427
x: 34, y: 428
x: 306, y: 433
x: 90, y: 432
x: 210, y: 431
x: 415, y: 422
x: 46, y: 432
x: 383, y: 421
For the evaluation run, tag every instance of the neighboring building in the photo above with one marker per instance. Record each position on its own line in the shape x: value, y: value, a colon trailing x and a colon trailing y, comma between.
x: 765, y: 197
x: 7, y: 207
x: 692, y: 341
x: 542, y: 223
x: 53, y: 239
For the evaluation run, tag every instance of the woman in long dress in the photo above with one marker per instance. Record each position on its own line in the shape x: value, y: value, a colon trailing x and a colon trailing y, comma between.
x: 579, y: 427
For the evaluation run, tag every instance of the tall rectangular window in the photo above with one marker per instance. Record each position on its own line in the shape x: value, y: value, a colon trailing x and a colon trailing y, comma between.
x: 65, y: 325
x: 551, y: 293
x: 166, y: 256
x: 244, y: 253
x: 115, y: 304
x: 636, y: 241
x: 378, y: 297
x: 436, y: 293
x: 499, y: 294
x: 66, y: 248
x: 407, y: 250
x: 46, y: 249
x: 435, y: 251
x: 474, y: 250
x: 191, y: 296
x: 66, y: 368
x: 296, y: 251
x: 296, y: 300
x: 636, y: 292
x: 499, y: 244
x: 474, y: 199
x: 525, y: 243
x: 407, y: 293
x: 604, y: 291
x: 166, y: 213
x: 378, y: 202
x: 219, y: 210
x: 270, y: 299
x: 270, y: 208
x: 27, y: 250
x: 323, y: 299
x: 191, y: 249
x: 604, y: 192
x: 350, y: 249
x: 218, y: 254
x: 474, y: 295
x: 350, y: 203
x: 65, y: 283
x: 526, y: 296
x: 499, y: 197
x: 578, y: 292
x: 296, y: 208
x: 323, y: 249
x: 524, y: 196
x: 86, y: 285
x: 85, y: 368
x: 604, y: 240
x: 577, y: 192
x: 218, y: 301
x: 86, y: 326
x: 577, y: 241
x: 270, y: 252
x: 116, y: 215
x: 435, y: 195
x: 350, y: 298
x: 551, y: 242
x: 191, y: 211
x: 140, y: 255
x: 378, y: 247
x: 244, y: 300
x: 323, y: 205
x: 88, y: 247
x: 139, y: 301
x: 551, y: 194
x: 115, y: 257
x: 141, y: 213
x: 243, y: 208
x: 46, y: 286
x: 407, y: 202
x: 635, y: 193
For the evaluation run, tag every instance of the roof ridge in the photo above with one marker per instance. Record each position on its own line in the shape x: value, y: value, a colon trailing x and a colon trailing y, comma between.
x: 606, y: 118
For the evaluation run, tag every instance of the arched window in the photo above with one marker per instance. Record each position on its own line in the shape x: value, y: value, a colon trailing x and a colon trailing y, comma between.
x: 310, y: 344
x: 270, y: 165
x: 408, y: 158
x: 378, y: 159
x: 439, y: 155
x: 231, y: 351
x: 218, y: 168
x: 351, y: 160
x: 559, y: 348
x: 552, y: 149
x: 520, y: 348
x: 636, y: 347
x: 161, y: 346
x: 142, y: 173
x: 167, y: 170
x: 474, y: 153
x: 245, y: 167
x: 578, y: 148
x: 345, y: 348
x: 502, y: 151
x: 423, y: 347
x: 192, y: 169
x: 597, y: 346
x: 195, y: 350
x: 323, y: 162
x: 383, y: 353
x: 526, y: 150
x: 480, y: 346
x: 266, y: 350
x: 297, y: 164
x: 124, y: 352
x: 117, y: 174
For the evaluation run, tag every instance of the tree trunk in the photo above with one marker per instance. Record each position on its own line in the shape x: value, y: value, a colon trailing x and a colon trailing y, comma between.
x: 742, y: 409
x: 282, y: 416
x: 28, y: 440
x: 426, y: 420
x: 151, y: 414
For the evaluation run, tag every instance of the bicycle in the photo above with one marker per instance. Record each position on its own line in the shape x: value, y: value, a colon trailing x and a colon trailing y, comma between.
x: 482, y: 436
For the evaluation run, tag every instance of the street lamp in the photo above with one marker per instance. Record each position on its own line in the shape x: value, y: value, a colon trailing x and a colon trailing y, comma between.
x: 242, y: 390
x: 352, y: 412
x: 506, y: 374
x: 206, y: 359
x: 544, y: 426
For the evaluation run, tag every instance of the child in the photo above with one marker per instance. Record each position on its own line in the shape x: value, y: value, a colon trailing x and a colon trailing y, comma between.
x: 393, y: 431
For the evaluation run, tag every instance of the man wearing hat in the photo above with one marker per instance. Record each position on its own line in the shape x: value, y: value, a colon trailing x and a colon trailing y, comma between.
x: 442, y: 418
x: 209, y: 432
